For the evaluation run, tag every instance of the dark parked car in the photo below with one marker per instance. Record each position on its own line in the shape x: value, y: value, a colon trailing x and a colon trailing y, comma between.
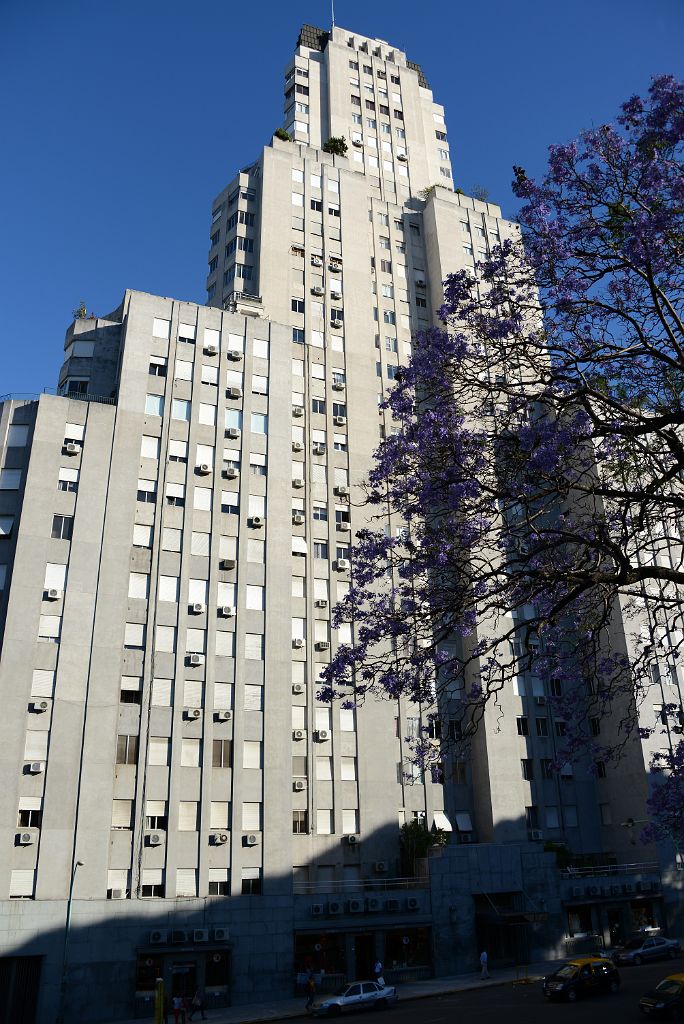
x: 642, y: 948
x: 584, y: 976
x: 666, y: 999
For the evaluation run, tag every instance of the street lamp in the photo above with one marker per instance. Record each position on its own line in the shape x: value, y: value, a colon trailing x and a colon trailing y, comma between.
x: 65, y: 955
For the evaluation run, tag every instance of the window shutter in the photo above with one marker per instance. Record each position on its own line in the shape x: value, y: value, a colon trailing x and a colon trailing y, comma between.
x: 253, y: 698
x: 225, y: 644
x: 158, y: 750
x: 299, y: 545
x: 155, y: 808
x: 222, y: 696
x: 211, y: 336
x: 175, y: 490
x: 197, y: 591
x: 149, y: 447
x: 161, y: 692
x: 21, y: 883
x: 122, y: 811
x: 251, y: 817
x: 131, y: 683
x: 186, y: 330
x: 117, y: 878
x: 179, y: 449
x: 30, y: 803
x: 186, y: 882
x: 50, y: 625
x: 142, y: 536
x: 218, y: 874
x: 75, y: 431
x: 152, y: 876
x: 36, y: 746
x: 200, y: 543
x: 192, y: 693
x: 43, y: 683
x: 218, y: 817
x: 187, y: 816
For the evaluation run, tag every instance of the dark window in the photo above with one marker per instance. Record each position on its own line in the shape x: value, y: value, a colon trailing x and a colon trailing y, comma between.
x: 420, y: 302
x: 300, y: 823
x: 320, y: 549
x: 398, y: 114
x: 318, y: 405
x: 441, y: 136
x: 384, y: 109
x: 595, y: 724
x: 532, y: 817
x: 156, y: 822
x: 222, y: 754
x: 213, y: 264
x: 522, y: 726
x: 527, y: 768
x: 251, y: 886
x: 219, y: 888
x: 316, y: 204
x: 343, y: 551
x: 214, y: 239
x: 555, y: 688
x: 339, y: 409
x: 542, y: 726
x: 130, y: 697
x: 370, y: 105
x: 600, y: 770
x: 29, y: 819
x: 150, y: 891
x: 386, y: 266
x: 62, y: 527
x: 356, y: 101
x: 231, y: 505
x: 546, y: 768
x: 67, y: 485
x: 126, y: 749
x: 176, y: 499
x: 342, y: 518
x: 320, y: 512
x: 298, y: 305
x: 246, y: 218
x: 143, y: 495
x: 559, y: 728
x: 298, y: 335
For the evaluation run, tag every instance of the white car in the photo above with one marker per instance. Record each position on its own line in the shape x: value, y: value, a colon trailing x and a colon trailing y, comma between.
x: 357, y: 995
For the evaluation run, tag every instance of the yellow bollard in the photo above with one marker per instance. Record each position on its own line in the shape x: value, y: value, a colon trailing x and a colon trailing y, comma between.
x: 159, y: 1002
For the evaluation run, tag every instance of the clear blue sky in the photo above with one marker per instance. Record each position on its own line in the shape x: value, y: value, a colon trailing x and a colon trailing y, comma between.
x: 122, y: 119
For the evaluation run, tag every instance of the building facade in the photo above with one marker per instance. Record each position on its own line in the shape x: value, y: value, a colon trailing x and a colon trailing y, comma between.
x: 175, y: 526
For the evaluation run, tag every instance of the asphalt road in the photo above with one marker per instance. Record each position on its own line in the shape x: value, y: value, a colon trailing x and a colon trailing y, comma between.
x: 525, y: 1004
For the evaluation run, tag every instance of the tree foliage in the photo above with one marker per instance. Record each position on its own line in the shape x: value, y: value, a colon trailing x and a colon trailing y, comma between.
x: 526, y: 515
x: 337, y: 145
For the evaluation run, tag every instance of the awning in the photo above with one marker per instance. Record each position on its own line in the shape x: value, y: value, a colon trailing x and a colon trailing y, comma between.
x: 463, y: 822
x: 440, y: 820
x: 299, y: 545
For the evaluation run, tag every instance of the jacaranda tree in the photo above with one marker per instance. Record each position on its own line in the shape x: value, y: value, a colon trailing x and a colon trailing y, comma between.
x: 527, y: 513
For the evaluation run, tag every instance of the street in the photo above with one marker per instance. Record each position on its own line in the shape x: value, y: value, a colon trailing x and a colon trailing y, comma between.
x: 526, y: 1004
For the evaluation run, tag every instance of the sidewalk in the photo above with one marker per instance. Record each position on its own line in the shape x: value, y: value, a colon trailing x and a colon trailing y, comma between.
x: 281, y: 1009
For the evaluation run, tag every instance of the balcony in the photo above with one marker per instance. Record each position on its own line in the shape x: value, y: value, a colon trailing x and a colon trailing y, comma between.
x: 245, y: 303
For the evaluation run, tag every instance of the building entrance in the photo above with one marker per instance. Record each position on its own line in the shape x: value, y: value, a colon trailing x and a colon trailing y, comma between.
x: 364, y: 954
x: 184, y: 977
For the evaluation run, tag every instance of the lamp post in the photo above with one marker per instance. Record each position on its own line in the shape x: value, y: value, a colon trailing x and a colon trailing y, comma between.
x: 65, y: 955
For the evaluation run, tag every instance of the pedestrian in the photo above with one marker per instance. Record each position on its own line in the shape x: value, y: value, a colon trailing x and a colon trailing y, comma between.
x: 177, y: 1006
x: 310, y: 991
x: 197, y: 1004
x: 484, y: 973
x: 377, y: 971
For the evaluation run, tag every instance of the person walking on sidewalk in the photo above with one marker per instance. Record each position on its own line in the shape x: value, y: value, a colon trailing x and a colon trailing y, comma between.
x: 484, y: 972
x: 197, y: 1005
x: 377, y: 971
x: 310, y: 991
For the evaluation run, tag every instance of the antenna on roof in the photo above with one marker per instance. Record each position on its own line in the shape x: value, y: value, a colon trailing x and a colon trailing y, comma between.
x: 332, y: 5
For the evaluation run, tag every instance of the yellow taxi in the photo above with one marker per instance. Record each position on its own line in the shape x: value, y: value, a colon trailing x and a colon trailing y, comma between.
x: 582, y: 976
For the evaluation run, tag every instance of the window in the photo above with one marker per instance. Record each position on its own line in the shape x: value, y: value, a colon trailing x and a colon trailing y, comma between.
x: 165, y: 639
x: 542, y: 726
x: 320, y: 512
x: 30, y: 812
x: 389, y: 316
x: 222, y: 754
x: 122, y: 814
x: 522, y: 726
x: 251, y: 754
x: 126, y: 749
x: 152, y: 883
x: 158, y: 750
x: 527, y: 768
x: 320, y: 549
x: 68, y: 479
x: 348, y: 769
x: 175, y: 495
x: 138, y: 585
x: 190, y: 752
x: 251, y: 882
x: 134, y: 636
x: 546, y: 767
x: 595, y: 724
x: 22, y: 883
x: 559, y: 728
x: 254, y: 646
x: 318, y: 405
x: 259, y: 423
x: 180, y: 409
x: 300, y: 822
x: 167, y: 589
x: 187, y: 816
x: 219, y: 884
x: 62, y: 527
x: 255, y: 599
x: 350, y: 821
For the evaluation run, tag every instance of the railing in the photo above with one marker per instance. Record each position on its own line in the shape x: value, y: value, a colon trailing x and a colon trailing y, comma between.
x: 15, y: 396
x: 242, y: 297
x: 645, y: 867
x: 364, y: 885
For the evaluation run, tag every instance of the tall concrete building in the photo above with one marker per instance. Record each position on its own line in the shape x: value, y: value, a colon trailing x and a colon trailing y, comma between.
x: 175, y: 525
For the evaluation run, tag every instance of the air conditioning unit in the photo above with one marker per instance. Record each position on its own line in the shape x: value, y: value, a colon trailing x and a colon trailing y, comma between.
x: 200, y: 935
x: 342, y: 564
x: 230, y: 473
x: 413, y: 903
x: 628, y: 888
x: 234, y: 393
x: 319, y: 449
x: 298, y: 734
x: 356, y: 906
x: 322, y: 645
x: 220, y: 838
x: 593, y: 890
x: 577, y: 891
x: 227, y: 611
x: 203, y: 468
x: 39, y: 706
x: 335, y: 907
x: 352, y: 840
x: 342, y: 491
x: 317, y: 290
x: 297, y: 519
x: 373, y: 904
x: 224, y: 716
x: 233, y: 432
x: 158, y: 938
x: 297, y: 643
x: 337, y: 324
x: 71, y: 448
x: 36, y: 767
x: 256, y: 522
x: 299, y: 785
x: 195, y: 660
x: 536, y: 834
x: 338, y: 385
x: 420, y: 283
x: 297, y: 410
x: 297, y: 446
x: 155, y: 838
x: 320, y: 602
x: 391, y: 905
x: 198, y: 609
x: 233, y: 354
x: 340, y: 421
x: 316, y: 909
x: 335, y: 296
x: 53, y: 594
x: 179, y: 936
x: 380, y: 867
x: 358, y: 143
x: 322, y: 735
x: 227, y: 563
x: 336, y: 268
x: 316, y: 261
x: 615, y: 890
x: 117, y: 894
x: 24, y: 839
x: 211, y: 350
x: 221, y: 934
x: 251, y: 839
x: 298, y: 481
x: 193, y: 713
x: 298, y: 688
x: 402, y: 157
x: 540, y: 701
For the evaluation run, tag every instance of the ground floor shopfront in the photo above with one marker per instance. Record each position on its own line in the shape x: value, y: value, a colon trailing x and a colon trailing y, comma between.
x: 345, y: 953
